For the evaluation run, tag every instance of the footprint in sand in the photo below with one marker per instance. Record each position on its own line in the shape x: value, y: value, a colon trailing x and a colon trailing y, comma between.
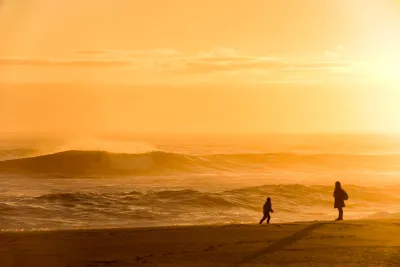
x: 210, y: 248
x: 142, y: 260
x: 103, y: 262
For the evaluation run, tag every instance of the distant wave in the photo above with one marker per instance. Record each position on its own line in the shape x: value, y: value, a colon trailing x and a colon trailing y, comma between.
x: 287, y: 196
x: 384, y: 215
x: 7, y: 154
x: 101, y: 162
x: 161, y: 163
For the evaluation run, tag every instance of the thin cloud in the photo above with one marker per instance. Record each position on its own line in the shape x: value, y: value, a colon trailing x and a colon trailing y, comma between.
x: 61, y: 63
x: 218, y: 52
x: 165, y: 63
x: 209, y: 65
x: 320, y: 65
x: 130, y: 53
x: 213, y: 61
x: 230, y: 64
x: 92, y: 52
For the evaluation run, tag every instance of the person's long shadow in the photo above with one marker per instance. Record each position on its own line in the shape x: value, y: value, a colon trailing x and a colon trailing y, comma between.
x: 280, y: 244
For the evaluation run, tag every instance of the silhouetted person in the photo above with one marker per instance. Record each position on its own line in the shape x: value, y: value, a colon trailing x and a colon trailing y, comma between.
x: 267, y: 208
x: 340, y: 196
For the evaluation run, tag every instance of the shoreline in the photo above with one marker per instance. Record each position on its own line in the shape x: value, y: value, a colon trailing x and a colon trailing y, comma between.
x: 177, y: 226
x: 318, y: 243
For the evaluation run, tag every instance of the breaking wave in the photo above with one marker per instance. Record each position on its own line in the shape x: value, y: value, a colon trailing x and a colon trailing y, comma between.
x: 162, y: 163
x: 165, y: 207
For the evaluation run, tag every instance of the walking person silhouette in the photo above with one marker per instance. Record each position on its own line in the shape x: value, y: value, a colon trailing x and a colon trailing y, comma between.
x: 267, y: 208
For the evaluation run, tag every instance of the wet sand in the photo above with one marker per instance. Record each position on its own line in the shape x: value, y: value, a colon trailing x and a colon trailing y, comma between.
x: 346, y: 243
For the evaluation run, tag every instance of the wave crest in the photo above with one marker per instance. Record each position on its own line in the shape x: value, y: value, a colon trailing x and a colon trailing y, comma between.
x: 166, y: 207
x: 161, y: 163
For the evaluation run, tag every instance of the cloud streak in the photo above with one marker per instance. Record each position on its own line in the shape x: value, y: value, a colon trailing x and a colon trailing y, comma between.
x: 172, y: 65
x: 130, y: 53
x: 209, y: 65
x: 40, y: 62
x: 220, y: 60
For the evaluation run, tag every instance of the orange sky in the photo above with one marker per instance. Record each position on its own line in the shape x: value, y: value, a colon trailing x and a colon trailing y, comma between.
x: 200, y: 66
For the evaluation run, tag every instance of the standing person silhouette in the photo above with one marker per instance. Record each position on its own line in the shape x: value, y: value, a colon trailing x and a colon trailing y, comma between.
x: 340, y: 196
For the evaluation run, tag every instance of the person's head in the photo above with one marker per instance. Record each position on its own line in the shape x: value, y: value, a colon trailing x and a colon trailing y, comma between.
x: 268, y: 199
x: 338, y: 185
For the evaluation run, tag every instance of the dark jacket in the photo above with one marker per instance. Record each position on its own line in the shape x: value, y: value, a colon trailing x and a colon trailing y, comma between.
x: 267, y: 207
x: 339, y: 196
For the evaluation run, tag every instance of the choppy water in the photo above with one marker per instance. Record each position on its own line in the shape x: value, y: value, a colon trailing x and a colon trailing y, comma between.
x: 187, y: 182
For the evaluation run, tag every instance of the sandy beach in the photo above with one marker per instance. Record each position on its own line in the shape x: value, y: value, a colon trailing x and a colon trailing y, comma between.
x: 347, y: 243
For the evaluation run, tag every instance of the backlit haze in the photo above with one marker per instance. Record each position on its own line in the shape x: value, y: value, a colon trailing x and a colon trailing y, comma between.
x: 125, y: 113
x: 254, y: 66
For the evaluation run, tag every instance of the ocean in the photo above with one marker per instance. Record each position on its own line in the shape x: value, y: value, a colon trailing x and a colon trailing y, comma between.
x: 126, y: 180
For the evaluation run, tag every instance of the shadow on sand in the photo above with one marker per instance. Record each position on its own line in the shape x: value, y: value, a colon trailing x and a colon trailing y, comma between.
x: 280, y: 244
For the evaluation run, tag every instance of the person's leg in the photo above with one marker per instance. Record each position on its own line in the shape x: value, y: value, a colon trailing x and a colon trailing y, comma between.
x: 269, y: 218
x: 340, y: 213
x: 340, y: 209
x: 263, y: 219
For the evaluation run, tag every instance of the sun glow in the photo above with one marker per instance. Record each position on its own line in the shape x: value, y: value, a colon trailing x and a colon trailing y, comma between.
x: 380, y: 109
x: 387, y: 70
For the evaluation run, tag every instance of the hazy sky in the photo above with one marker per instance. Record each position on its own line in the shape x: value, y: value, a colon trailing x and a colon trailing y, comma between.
x: 200, y: 65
